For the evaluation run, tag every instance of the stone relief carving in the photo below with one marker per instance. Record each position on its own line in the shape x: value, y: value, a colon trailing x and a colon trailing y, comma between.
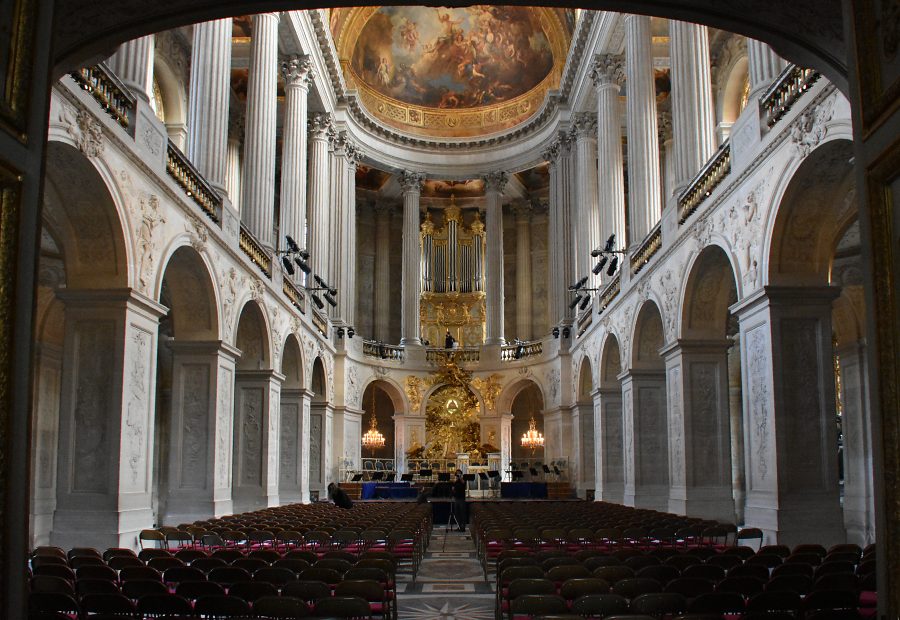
x: 757, y: 358
x: 195, y: 425
x: 676, y: 427
x: 138, y: 382
x: 352, y: 392
x: 800, y: 352
x: 93, y: 400
x: 198, y: 233
x: 257, y: 290
x: 414, y: 386
x: 553, y: 379
x: 230, y: 287
x: 251, y: 435
x: 669, y: 286
x: 271, y: 476
x: 628, y: 433
x: 150, y: 219
x: 290, y: 416
x: 808, y: 131
x: 223, y: 434
x: 85, y: 130
x: 705, y: 422
x: 152, y: 141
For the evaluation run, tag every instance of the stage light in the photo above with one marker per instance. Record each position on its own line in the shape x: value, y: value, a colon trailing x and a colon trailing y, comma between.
x: 595, y: 252
x: 317, y: 301
x: 599, y: 266
x: 566, y: 332
x: 288, y: 267
x: 304, y: 266
x: 584, y: 302
x: 340, y: 332
x: 574, y: 302
x: 321, y: 282
x: 555, y: 332
x: 303, y: 254
x: 331, y: 300
x: 609, y: 243
x: 351, y: 332
x: 612, y: 266
x: 579, y: 284
x: 292, y: 245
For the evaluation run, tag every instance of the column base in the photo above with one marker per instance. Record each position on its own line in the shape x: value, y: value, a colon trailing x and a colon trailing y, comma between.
x: 714, y: 503
x: 195, y: 509
x: 100, y: 529
x: 611, y: 493
x: 804, y: 520
x: 653, y: 497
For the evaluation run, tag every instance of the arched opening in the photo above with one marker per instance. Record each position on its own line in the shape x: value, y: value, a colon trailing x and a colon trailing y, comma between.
x: 256, y: 398
x: 705, y: 422
x: 319, y: 431
x: 582, y: 470
x: 609, y: 459
x: 528, y: 405
x: 644, y: 405
x: 379, y: 405
x: 291, y: 444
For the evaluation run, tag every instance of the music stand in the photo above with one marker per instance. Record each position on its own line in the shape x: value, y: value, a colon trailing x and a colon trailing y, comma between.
x: 443, y: 476
x: 468, y: 478
x: 378, y: 475
x: 493, y: 474
x: 406, y: 477
x: 533, y: 471
x: 518, y: 474
x: 425, y: 473
x: 356, y: 478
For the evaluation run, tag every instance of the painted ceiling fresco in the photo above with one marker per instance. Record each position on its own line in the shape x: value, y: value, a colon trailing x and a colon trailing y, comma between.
x: 452, y: 71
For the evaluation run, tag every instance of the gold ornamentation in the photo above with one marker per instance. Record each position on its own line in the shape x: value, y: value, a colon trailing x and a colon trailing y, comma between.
x: 489, y: 388
x: 414, y: 387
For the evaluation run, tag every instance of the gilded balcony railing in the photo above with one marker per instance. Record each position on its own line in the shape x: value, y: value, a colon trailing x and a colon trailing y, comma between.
x: 650, y: 247
x: 320, y: 322
x: 392, y: 352
x: 294, y: 294
x: 608, y: 294
x: 784, y: 92
x: 702, y: 185
x: 109, y: 92
x: 255, y: 251
x: 524, y: 350
x: 461, y: 355
x: 584, y: 321
x: 192, y: 182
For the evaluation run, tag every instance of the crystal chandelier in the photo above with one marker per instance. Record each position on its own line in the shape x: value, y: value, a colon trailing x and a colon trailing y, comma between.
x: 533, y: 438
x: 373, y: 439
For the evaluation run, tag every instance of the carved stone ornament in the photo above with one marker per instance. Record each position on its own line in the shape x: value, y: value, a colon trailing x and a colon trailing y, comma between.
x: 298, y: 72
x: 198, y: 233
x: 489, y: 388
x: 669, y: 286
x: 413, y: 391
x: 230, y: 287
x: 808, y: 131
x: 150, y: 219
x: 411, y: 181
x: 608, y: 69
x: 319, y: 126
x: 257, y: 289
x: 495, y: 181
x: 86, y: 131
x: 585, y: 125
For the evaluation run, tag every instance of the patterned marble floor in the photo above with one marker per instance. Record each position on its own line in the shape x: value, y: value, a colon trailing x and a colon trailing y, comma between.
x: 450, y: 584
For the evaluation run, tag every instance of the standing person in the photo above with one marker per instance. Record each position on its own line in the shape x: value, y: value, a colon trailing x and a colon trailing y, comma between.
x: 449, y: 340
x: 459, y: 501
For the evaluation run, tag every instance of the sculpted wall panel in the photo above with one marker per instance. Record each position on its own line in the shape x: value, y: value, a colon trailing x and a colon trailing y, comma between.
x: 651, y: 435
x: 613, y: 448
x: 706, y: 420
x: 759, y: 419
x: 290, y: 420
x: 93, y: 406
x: 676, y: 427
x: 315, y: 448
x: 137, y: 388
x: 250, y: 436
x: 223, y: 427
x: 195, y: 425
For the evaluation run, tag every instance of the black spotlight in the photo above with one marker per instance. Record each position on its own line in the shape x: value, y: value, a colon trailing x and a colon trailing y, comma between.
x: 304, y: 266
x: 599, y: 266
x: 321, y: 282
x: 351, y: 332
x: 566, y: 332
x: 303, y: 254
x: 292, y: 245
x: 331, y: 300
x: 317, y: 301
x: 584, y: 302
x: 609, y: 243
x: 595, y: 252
x: 288, y: 267
x: 555, y: 332
x: 579, y: 284
x: 340, y: 332
x: 574, y: 302
x: 612, y: 266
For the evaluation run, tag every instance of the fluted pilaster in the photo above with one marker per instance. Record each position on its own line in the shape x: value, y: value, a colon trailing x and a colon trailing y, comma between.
x: 133, y: 64
x: 258, y: 181
x: 494, y: 184
x: 587, y: 223
x: 298, y: 75
x: 411, y: 182
x: 693, y: 121
x: 560, y: 230
x: 233, y: 171
x: 208, y: 101
x: 319, y: 192
x: 342, y: 260
x: 524, y: 328
x: 608, y: 75
x: 764, y: 65
x: 383, y: 214
x: 643, y: 148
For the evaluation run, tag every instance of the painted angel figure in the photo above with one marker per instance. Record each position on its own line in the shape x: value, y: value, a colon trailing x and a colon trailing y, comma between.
x: 409, y: 34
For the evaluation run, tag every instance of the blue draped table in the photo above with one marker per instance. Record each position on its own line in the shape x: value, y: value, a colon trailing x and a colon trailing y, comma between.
x: 388, y: 490
x: 523, y: 490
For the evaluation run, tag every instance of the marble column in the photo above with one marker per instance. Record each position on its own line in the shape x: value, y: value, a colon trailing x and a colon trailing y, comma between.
x: 506, y: 440
x: 106, y: 418
x: 693, y: 120
x: 764, y: 65
x: 337, y: 145
x: 233, y: 171
x: 411, y: 182
x: 608, y: 476
x: 298, y: 75
x: 383, y: 212
x: 258, y: 181
x: 343, y: 246
x: 587, y: 223
x: 644, y: 192
x: 608, y: 76
x: 291, y: 446
x: 321, y: 422
x: 562, y: 257
x: 645, y: 439
x: 523, y: 213
x: 699, y: 430
x: 200, y: 440
x: 133, y: 64
x: 790, y: 434
x: 319, y: 193
x: 859, y: 502
x: 583, y: 446
x: 208, y: 100
x: 257, y: 400
x: 494, y: 184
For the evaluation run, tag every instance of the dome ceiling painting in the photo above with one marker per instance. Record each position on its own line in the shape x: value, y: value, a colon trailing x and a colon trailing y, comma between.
x: 452, y: 72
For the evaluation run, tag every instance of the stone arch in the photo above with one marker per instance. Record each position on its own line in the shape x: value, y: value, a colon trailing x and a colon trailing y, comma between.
x: 710, y: 288
x: 386, y: 400
x: 610, y: 363
x: 174, y: 97
x: 512, y: 390
x: 81, y: 211
x: 526, y: 401
x: 586, y: 383
x: 730, y: 90
x: 393, y: 391
x: 648, y: 337
x: 188, y: 286
x: 608, y: 466
x: 318, y: 381
x: 815, y: 206
x: 252, y: 337
x: 292, y: 363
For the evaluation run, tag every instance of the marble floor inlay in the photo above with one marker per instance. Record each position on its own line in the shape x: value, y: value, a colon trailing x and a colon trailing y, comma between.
x: 450, y: 584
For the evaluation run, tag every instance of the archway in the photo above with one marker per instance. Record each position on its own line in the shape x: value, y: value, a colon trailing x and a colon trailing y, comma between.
x: 320, y: 421
x: 644, y: 415
x: 378, y: 402
x: 256, y: 398
x: 582, y: 469
x: 608, y: 425
x: 188, y: 390
x: 528, y: 405
x: 701, y: 433
x: 293, y: 480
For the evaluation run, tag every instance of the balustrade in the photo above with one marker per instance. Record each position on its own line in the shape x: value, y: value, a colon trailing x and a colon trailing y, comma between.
x: 785, y: 91
x: 461, y: 354
x: 320, y: 322
x: 651, y: 246
x: 254, y: 249
x: 524, y: 350
x: 109, y: 92
x: 584, y: 321
x: 392, y: 352
x: 702, y: 185
x: 608, y: 294
x: 295, y: 295
x: 192, y: 182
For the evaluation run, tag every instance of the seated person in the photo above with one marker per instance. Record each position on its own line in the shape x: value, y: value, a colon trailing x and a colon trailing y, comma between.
x: 339, y: 496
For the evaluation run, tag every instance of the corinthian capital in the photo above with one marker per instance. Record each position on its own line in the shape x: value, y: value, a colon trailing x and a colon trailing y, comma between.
x: 608, y: 70
x: 298, y: 72
x: 319, y: 126
x: 411, y: 181
x: 495, y: 181
x: 585, y: 125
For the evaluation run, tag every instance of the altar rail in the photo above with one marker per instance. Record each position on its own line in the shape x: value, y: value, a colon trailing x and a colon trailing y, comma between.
x: 524, y: 350
x: 784, y: 93
x: 392, y: 352
x: 109, y: 92
x: 462, y: 354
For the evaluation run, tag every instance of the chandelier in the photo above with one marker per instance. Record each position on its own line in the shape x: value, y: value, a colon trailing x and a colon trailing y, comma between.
x: 373, y: 439
x: 533, y: 438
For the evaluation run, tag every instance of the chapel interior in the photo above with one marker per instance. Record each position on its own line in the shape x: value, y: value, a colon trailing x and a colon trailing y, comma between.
x: 615, y: 256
